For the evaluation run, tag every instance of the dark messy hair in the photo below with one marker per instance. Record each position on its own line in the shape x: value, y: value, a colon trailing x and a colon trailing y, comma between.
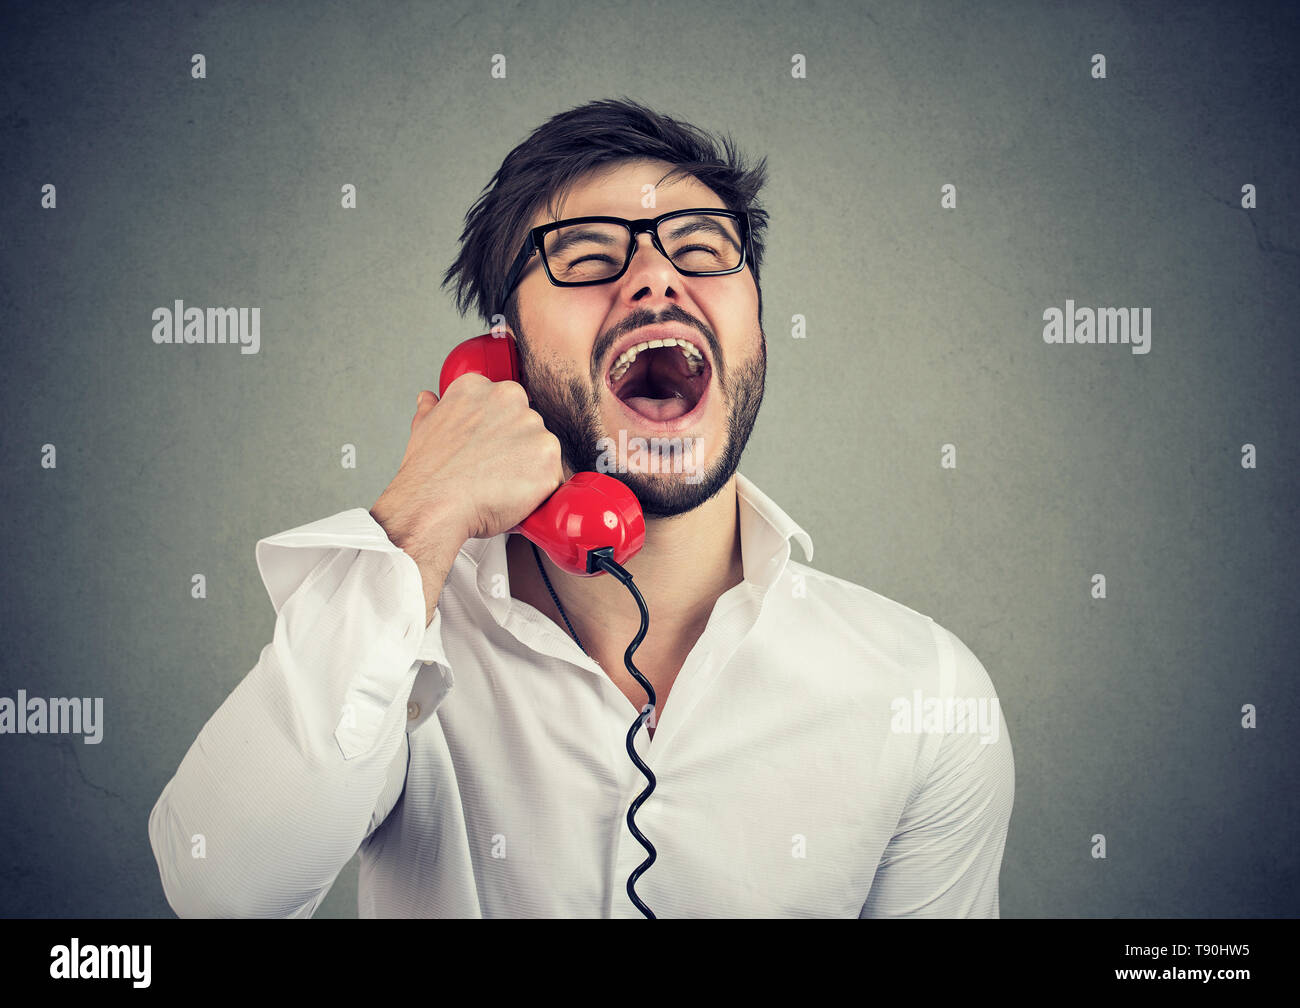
x: 541, y: 170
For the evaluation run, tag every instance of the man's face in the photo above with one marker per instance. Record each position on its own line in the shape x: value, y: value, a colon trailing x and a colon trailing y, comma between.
x: 671, y: 424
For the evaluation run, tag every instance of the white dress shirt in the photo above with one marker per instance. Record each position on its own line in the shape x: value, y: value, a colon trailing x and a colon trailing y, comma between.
x: 479, y: 763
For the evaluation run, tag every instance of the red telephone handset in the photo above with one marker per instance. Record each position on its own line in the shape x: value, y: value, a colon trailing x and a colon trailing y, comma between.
x: 590, y: 511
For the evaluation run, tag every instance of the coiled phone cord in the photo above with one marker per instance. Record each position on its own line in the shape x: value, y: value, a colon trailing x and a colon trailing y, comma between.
x: 603, y: 558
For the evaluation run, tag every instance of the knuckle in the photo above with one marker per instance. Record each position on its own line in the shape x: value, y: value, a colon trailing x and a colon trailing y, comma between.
x: 514, y: 394
x: 468, y: 384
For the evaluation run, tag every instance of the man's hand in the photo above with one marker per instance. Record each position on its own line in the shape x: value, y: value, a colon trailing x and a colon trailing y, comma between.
x: 478, y: 462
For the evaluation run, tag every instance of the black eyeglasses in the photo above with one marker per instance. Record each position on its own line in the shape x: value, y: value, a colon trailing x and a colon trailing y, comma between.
x: 583, y: 251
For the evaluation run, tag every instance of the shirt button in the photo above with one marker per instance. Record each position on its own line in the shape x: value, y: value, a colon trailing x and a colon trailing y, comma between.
x: 428, y: 661
x: 412, y: 711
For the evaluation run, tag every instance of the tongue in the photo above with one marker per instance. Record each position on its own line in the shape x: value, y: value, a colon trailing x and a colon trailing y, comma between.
x: 658, y: 409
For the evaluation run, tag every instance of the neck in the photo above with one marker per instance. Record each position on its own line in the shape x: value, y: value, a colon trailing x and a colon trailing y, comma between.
x: 687, y: 562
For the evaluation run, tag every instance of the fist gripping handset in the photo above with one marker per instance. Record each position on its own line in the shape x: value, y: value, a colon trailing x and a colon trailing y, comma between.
x: 589, y: 525
x: 591, y: 512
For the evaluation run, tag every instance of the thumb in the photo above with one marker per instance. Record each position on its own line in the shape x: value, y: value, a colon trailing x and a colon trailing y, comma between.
x: 424, y: 402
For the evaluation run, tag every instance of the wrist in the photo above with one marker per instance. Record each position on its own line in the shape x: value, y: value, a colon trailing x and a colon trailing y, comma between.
x: 432, y: 540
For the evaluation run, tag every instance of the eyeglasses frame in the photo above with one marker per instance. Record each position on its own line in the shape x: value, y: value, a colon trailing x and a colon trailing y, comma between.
x: 644, y: 225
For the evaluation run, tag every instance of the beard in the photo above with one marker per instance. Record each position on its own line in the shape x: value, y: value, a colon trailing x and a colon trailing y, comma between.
x: 568, y: 403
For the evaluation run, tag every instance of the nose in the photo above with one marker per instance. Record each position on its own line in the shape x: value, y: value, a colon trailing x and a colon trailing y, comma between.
x: 649, y: 268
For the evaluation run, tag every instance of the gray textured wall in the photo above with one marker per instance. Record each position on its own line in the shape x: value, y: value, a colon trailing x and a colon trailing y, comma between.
x: 924, y: 328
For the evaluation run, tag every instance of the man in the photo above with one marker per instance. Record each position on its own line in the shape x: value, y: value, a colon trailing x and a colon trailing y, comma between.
x: 448, y: 701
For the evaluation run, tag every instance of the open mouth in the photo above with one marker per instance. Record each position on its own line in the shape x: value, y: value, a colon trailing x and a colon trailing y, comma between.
x: 660, y: 379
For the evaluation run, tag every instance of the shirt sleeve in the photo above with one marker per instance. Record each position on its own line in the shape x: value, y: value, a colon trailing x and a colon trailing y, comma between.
x: 307, y: 755
x: 946, y: 852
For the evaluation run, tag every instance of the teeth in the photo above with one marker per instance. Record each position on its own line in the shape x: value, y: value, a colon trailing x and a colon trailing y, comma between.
x: 693, y: 357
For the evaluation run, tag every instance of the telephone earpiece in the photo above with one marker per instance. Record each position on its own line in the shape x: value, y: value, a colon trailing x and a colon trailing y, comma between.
x: 592, y: 511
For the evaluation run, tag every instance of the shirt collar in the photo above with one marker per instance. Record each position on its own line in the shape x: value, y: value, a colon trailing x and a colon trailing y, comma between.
x: 765, y: 534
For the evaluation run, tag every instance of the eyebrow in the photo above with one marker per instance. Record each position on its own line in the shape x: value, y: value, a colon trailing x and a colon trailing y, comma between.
x: 571, y: 236
x: 701, y: 223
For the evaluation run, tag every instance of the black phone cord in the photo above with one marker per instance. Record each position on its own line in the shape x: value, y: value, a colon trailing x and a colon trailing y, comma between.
x: 604, y: 559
